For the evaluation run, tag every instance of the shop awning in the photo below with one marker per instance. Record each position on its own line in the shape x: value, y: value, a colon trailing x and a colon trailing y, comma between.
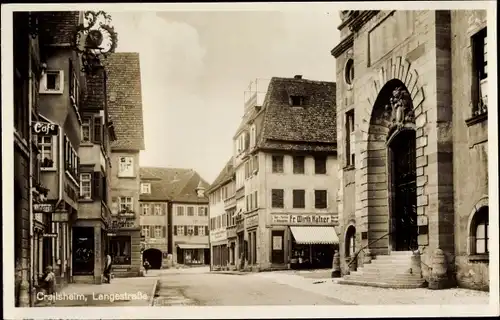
x: 192, y: 246
x: 315, y: 235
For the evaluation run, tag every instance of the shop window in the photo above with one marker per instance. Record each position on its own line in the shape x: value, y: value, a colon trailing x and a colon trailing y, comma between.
x: 121, y: 250
x: 349, y: 138
x: 479, y: 232
x: 299, y: 198
x: 320, y: 197
x: 83, y: 251
x: 277, y: 164
x: 298, y: 164
x: 320, y: 165
x: 277, y: 198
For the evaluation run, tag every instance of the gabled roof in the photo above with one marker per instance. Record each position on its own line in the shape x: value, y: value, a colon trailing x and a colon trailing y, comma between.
x: 309, y: 128
x: 224, y: 176
x: 125, y: 100
x: 172, y: 184
x: 58, y: 27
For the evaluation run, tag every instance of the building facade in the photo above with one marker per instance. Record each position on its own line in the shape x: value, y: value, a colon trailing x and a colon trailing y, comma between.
x: 285, y: 177
x: 412, y: 138
x: 124, y: 100
x: 154, y: 204
x: 221, y: 207
x: 94, y: 216
x: 189, y: 220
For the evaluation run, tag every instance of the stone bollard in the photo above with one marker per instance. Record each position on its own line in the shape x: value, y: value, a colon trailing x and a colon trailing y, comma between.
x: 367, y: 258
x: 438, y: 278
x: 336, y: 265
x: 354, y: 263
x: 415, y: 266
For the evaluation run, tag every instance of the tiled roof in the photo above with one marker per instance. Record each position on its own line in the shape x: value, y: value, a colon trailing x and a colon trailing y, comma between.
x: 125, y: 100
x: 224, y: 176
x: 58, y: 27
x: 95, y: 92
x: 172, y: 184
x: 308, y: 128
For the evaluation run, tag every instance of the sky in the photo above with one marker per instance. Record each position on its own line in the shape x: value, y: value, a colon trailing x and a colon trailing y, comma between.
x: 195, y: 67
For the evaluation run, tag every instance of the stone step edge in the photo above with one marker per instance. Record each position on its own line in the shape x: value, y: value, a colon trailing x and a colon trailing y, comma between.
x: 375, y: 279
x: 382, y: 284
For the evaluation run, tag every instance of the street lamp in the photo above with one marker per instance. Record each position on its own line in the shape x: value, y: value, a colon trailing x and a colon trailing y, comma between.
x: 94, y: 39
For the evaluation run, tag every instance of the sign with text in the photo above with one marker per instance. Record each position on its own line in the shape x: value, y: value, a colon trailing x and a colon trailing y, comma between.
x: 60, y: 216
x: 304, y: 219
x: 43, y: 207
x: 277, y: 243
x: 252, y: 221
x: 49, y: 235
x: 45, y: 128
x: 218, y: 235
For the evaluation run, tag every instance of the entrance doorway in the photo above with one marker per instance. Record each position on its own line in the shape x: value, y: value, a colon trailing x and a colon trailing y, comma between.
x: 404, y: 196
x: 278, y: 250
x: 154, y: 257
x: 83, y: 246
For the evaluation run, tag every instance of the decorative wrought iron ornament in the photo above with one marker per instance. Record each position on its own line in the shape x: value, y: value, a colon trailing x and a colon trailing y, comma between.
x: 399, y: 110
x: 94, y: 39
x: 34, y: 28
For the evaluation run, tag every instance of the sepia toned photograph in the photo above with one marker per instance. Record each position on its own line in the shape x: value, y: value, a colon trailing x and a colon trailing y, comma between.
x: 167, y: 159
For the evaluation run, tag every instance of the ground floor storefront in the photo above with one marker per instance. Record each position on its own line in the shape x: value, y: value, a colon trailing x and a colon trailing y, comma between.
x: 192, y: 253
x: 220, y: 255
x: 125, y: 251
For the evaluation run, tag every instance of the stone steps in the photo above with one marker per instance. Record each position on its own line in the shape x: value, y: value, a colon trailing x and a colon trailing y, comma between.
x: 386, y: 271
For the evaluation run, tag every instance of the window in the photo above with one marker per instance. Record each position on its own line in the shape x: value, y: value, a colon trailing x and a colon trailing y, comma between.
x: 350, y: 243
x: 255, y: 163
x: 180, y: 211
x: 126, y: 167
x: 256, y: 202
x: 480, y: 76
x: 319, y: 165
x: 296, y: 101
x: 179, y: 230
x: 277, y: 164
x: 277, y: 198
x: 158, y: 211
x: 158, y: 232
x: 146, y: 209
x: 86, y: 125
x: 145, y: 188
x: 74, y: 89
x: 252, y: 136
x: 298, y: 164
x: 201, y: 211
x: 190, y: 211
x: 71, y: 159
x: 299, y: 198
x: 206, y: 211
x: 480, y: 232
x: 145, y: 231
x: 190, y: 230
x: 201, y: 230
x: 86, y: 185
x: 349, y: 136
x: 320, y: 199
x: 46, y: 152
x: 126, y: 204
x: 52, y: 82
x: 349, y: 71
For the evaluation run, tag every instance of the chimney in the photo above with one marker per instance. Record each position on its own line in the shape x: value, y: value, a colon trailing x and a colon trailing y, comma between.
x: 298, y: 76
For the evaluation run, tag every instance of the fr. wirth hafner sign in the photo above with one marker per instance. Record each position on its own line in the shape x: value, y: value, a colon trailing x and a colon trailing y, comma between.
x: 303, y: 219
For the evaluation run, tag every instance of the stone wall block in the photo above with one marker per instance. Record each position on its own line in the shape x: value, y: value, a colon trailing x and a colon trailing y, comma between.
x: 422, y: 161
x: 421, y: 181
x: 422, y: 200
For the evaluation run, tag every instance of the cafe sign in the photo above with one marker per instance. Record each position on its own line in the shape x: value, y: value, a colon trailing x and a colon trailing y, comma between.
x: 45, y: 128
x: 304, y: 219
x: 43, y: 208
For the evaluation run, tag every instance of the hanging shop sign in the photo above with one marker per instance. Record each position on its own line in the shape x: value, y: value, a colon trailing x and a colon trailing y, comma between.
x: 304, y: 219
x: 43, y: 207
x: 44, y: 128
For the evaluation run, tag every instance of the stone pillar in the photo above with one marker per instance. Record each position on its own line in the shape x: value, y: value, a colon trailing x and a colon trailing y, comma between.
x: 439, y: 274
x: 336, y: 265
x: 416, y: 267
x: 353, y: 262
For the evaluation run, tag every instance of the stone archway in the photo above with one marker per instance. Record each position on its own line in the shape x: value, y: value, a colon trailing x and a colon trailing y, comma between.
x: 154, y: 257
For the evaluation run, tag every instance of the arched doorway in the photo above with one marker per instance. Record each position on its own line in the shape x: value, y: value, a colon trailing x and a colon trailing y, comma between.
x: 350, y: 241
x: 391, y: 172
x: 403, y: 180
x: 154, y: 257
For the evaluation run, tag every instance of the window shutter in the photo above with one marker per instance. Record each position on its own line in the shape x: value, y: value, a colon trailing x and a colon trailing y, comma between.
x: 97, y: 129
x: 195, y: 230
x: 185, y: 230
x: 175, y: 230
x: 164, y: 231
x: 206, y: 230
x: 96, y: 185
x: 152, y: 231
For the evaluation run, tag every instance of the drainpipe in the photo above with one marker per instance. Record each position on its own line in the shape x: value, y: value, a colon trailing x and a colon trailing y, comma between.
x: 31, y: 278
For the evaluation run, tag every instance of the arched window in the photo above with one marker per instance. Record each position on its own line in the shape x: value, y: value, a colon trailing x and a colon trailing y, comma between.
x: 479, y: 232
x: 350, y: 241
